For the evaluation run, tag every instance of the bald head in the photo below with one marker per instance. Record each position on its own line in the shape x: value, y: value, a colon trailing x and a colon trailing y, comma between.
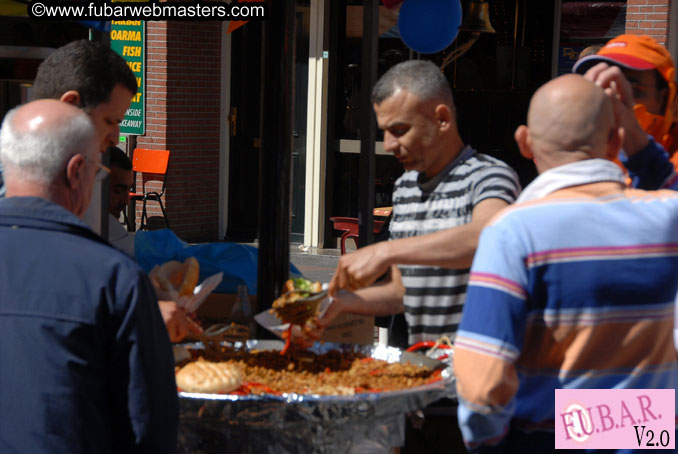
x: 42, y: 115
x: 38, y: 142
x: 570, y: 113
x: 569, y: 119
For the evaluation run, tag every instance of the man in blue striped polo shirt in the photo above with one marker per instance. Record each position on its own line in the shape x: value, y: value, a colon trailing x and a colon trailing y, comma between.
x: 573, y: 287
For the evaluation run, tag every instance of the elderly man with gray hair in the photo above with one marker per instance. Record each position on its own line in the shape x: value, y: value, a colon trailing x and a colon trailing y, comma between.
x: 87, y: 364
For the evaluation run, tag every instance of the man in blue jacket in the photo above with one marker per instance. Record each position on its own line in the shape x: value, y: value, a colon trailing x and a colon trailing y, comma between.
x: 86, y: 361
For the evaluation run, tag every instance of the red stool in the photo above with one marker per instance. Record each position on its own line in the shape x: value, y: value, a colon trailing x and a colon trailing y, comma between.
x: 350, y: 228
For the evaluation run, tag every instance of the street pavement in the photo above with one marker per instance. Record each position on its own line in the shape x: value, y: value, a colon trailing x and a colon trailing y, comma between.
x: 315, y: 264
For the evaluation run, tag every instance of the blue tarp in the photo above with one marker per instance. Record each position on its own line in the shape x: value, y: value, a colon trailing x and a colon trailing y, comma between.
x: 238, y: 262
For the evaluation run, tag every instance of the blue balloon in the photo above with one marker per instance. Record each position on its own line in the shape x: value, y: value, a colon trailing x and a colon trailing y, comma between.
x: 429, y: 26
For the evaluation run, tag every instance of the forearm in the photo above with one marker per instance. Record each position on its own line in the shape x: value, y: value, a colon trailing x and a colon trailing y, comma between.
x: 449, y: 248
x: 486, y: 398
x: 383, y: 298
x: 650, y: 168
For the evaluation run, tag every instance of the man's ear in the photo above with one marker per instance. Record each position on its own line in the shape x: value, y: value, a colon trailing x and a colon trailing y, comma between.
x: 75, y: 168
x: 71, y: 97
x: 614, y: 143
x: 443, y: 115
x: 524, y: 141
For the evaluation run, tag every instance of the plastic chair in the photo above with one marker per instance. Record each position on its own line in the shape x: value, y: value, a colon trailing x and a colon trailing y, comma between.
x: 152, y: 164
x: 350, y: 228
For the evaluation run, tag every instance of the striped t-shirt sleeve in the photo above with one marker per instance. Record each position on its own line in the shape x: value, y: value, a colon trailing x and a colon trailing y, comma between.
x: 495, y: 181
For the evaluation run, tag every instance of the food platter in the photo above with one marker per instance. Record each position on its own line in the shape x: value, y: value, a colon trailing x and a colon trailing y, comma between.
x: 223, y: 423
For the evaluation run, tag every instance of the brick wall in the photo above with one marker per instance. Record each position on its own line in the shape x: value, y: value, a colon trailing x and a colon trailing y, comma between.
x: 648, y: 17
x: 182, y: 115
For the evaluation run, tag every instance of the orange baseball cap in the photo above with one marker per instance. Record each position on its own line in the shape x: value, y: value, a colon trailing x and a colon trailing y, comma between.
x: 639, y: 53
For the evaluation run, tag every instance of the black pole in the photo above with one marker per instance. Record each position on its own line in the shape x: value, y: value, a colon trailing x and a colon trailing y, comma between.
x: 367, y: 124
x: 131, y: 207
x: 276, y: 152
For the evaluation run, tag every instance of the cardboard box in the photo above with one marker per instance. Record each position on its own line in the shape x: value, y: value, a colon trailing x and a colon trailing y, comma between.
x: 218, y: 306
x: 351, y: 329
x: 346, y: 329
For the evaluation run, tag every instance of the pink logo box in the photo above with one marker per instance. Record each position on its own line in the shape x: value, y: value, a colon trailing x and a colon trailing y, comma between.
x: 615, y: 418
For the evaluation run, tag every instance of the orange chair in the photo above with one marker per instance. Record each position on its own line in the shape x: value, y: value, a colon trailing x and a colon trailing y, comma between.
x: 152, y: 164
x: 350, y: 227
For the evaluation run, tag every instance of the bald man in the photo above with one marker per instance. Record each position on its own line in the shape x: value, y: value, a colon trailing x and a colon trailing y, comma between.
x: 86, y: 361
x: 565, y: 281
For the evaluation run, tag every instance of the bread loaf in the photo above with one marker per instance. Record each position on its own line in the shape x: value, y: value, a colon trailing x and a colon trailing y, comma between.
x: 182, y: 277
x: 207, y: 377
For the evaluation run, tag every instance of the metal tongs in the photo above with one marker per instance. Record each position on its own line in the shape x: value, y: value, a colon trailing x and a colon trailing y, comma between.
x: 298, y: 311
x: 213, y: 336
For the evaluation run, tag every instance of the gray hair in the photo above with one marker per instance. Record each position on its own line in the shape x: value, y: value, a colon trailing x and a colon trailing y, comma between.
x: 420, y: 77
x: 41, y: 155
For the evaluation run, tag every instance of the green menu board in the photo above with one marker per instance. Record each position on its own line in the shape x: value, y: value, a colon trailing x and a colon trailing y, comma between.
x: 128, y: 39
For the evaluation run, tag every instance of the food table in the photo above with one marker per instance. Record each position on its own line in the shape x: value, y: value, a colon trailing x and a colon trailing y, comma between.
x: 369, y: 422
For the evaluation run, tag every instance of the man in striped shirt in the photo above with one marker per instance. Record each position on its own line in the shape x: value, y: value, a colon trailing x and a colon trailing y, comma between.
x: 571, y: 287
x: 440, y: 204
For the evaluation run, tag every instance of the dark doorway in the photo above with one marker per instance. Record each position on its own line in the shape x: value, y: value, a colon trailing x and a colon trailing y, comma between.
x: 245, y: 129
x: 245, y: 133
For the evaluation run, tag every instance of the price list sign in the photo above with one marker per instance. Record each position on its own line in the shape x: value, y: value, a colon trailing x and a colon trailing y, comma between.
x: 128, y: 39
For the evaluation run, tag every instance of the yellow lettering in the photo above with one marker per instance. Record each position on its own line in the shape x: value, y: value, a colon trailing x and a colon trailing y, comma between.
x: 125, y: 35
x: 136, y: 97
x: 126, y: 22
x: 138, y: 81
x: 135, y: 66
x: 131, y: 51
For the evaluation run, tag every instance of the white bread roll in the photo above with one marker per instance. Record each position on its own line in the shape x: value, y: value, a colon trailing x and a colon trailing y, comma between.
x: 207, y: 377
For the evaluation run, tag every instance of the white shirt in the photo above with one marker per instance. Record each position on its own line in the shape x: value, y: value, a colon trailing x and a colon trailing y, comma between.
x: 119, y: 237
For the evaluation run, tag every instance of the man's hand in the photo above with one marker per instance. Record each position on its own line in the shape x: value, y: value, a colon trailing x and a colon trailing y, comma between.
x: 385, y: 297
x: 448, y: 248
x: 303, y: 337
x: 315, y: 328
x: 619, y: 90
x: 360, y: 268
x: 177, y: 322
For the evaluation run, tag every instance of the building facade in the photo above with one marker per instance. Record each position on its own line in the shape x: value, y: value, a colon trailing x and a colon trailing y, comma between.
x: 203, y: 99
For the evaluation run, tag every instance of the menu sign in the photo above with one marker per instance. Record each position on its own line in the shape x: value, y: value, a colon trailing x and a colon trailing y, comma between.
x: 128, y: 39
